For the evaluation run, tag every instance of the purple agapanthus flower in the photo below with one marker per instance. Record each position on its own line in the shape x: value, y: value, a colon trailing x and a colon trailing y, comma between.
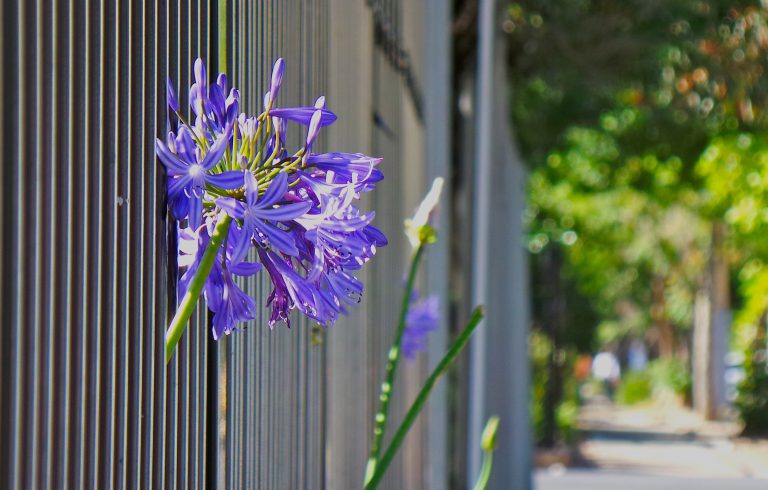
x: 422, y: 318
x: 260, y: 217
x: 296, y: 209
x: 190, y: 173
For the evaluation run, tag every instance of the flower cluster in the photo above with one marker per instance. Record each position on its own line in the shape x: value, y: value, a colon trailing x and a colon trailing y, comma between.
x: 296, y: 210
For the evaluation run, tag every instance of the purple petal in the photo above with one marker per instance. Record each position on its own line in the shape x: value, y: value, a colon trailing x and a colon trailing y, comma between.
x: 303, y: 115
x: 217, y: 150
x: 267, y: 100
x: 177, y: 185
x: 170, y: 95
x: 217, y: 101
x: 276, y: 190
x: 350, y: 224
x: 251, y: 189
x: 196, y: 99
x: 214, y: 286
x: 314, y: 128
x: 185, y: 145
x: 343, y: 158
x: 281, y: 240
x: 277, y: 78
x: 317, y: 264
x: 195, y: 211
x: 422, y: 318
x: 245, y: 268
x: 234, y: 96
x: 286, y: 212
x: 376, y: 236
x: 221, y: 81
x: 243, y: 244
x: 231, y: 179
x: 179, y: 206
x: 231, y: 206
x: 200, y: 75
x: 346, y: 287
x: 171, y: 161
x: 345, y: 164
x: 232, y: 108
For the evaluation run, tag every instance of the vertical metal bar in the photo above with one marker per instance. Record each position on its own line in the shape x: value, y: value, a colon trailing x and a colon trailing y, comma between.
x: 437, y: 121
x: 156, y: 426
x: 79, y: 37
x: 69, y: 235
x: 34, y: 245
x: 14, y: 137
x: 37, y: 187
x: 105, y: 222
x: 49, y: 270
x: 9, y: 368
x: 508, y: 319
x: 60, y: 291
x: 17, y: 455
x: 119, y: 200
x: 91, y: 241
x: 137, y: 196
x: 481, y: 217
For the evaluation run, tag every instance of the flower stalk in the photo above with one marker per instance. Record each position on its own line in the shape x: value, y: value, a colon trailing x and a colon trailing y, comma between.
x: 377, y: 467
x: 488, y: 443
x: 385, y: 393
x: 188, y: 303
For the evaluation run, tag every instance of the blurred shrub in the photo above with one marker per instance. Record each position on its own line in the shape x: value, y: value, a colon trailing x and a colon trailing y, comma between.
x: 539, y: 348
x: 635, y: 387
x: 670, y: 375
x: 752, y: 400
x: 567, y: 413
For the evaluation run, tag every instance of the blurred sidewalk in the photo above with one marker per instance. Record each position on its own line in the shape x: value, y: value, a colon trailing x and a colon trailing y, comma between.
x: 662, y: 447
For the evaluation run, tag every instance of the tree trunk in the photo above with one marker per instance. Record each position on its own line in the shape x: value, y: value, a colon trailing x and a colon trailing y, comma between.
x: 659, y: 316
x: 711, y: 326
x: 553, y: 318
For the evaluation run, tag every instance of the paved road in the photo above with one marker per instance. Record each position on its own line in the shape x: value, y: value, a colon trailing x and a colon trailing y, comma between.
x: 635, y: 449
x: 598, y: 479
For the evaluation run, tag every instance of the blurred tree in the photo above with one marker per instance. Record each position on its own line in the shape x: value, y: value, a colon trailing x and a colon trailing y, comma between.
x: 642, y: 121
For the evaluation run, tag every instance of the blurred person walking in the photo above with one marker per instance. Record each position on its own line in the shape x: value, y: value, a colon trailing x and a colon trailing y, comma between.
x: 606, y: 369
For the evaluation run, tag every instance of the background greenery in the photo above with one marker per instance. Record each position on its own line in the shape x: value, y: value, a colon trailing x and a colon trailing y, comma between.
x: 644, y: 123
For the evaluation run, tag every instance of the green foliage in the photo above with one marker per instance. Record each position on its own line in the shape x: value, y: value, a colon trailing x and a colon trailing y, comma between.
x: 752, y: 400
x: 644, y: 122
x: 539, y: 350
x: 660, y: 376
x: 635, y: 387
x: 567, y: 412
x: 734, y: 173
x: 617, y: 220
x: 670, y: 375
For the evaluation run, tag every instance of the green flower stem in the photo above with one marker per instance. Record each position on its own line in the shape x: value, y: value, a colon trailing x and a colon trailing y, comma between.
x: 394, y: 356
x: 485, y: 471
x: 187, y: 305
x: 378, y: 468
x: 222, y: 18
x: 488, y: 443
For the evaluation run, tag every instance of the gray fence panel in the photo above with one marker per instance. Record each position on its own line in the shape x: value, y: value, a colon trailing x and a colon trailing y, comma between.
x: 89, y: 251
x: 271, y: 413
x: 88, y: 401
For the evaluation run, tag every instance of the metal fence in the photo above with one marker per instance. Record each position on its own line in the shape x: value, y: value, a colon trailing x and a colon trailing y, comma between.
x: 88, y: 251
